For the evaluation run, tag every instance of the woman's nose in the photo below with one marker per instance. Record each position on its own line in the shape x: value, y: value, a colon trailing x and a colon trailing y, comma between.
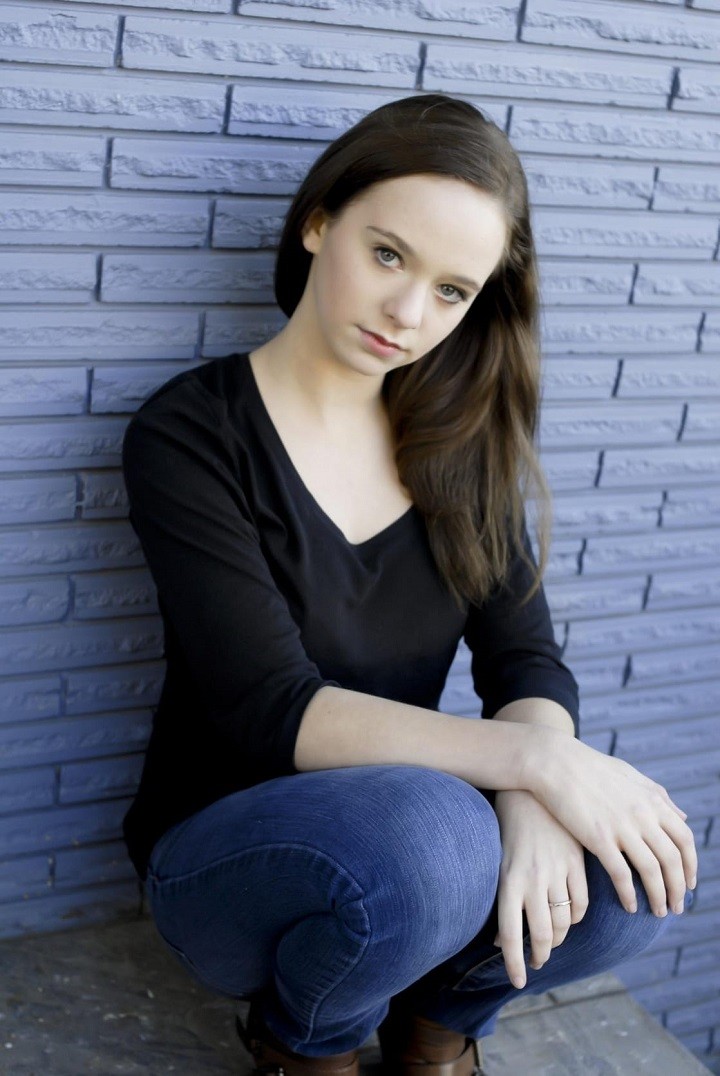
x: 406, y: 306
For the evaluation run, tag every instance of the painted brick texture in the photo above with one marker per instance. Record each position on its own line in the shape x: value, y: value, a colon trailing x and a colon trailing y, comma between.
x: 148, y: 152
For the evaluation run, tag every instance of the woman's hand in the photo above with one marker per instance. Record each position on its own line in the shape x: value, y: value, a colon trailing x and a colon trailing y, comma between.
x: 541, y: 862
x: 615, y: 812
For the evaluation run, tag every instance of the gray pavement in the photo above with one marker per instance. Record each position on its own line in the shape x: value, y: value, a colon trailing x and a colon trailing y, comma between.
x: 113, y: 999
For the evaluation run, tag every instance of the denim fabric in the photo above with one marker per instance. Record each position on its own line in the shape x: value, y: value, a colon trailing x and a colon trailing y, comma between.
x: 326, y: 892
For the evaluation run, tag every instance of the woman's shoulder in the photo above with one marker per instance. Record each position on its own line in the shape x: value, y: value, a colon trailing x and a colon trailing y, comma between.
x: 219, y: 381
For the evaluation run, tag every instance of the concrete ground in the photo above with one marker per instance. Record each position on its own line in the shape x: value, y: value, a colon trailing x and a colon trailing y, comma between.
x: 113, y: 999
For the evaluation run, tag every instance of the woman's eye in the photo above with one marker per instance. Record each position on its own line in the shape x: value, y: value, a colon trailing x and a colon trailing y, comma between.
x: 461, y: 295
x: 384, y: 250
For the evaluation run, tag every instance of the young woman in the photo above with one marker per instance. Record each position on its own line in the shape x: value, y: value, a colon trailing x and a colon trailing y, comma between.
x: 325, y: 518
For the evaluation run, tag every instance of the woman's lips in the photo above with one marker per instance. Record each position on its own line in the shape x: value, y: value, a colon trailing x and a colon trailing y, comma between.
x: 379, y: 343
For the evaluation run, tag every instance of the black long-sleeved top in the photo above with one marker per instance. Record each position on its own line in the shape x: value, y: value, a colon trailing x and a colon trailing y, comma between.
x: 264, y: 601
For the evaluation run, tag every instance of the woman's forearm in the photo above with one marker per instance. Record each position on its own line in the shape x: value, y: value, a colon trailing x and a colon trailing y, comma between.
x: 537, y: 711
x: 349, y: 728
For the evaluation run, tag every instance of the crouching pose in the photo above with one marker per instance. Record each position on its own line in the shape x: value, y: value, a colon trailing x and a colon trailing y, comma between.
x: 325, y: 518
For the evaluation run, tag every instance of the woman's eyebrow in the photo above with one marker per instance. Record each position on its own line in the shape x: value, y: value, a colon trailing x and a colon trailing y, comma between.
x: 405, y: 249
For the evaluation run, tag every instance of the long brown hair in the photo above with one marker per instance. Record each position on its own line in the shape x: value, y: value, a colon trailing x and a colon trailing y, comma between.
x: 464, y: 416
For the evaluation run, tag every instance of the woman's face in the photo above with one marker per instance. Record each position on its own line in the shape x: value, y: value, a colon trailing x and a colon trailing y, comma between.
x: 412, y: 288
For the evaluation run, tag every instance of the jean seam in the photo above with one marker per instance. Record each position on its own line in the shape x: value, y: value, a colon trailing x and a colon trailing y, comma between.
x: 281, y: 845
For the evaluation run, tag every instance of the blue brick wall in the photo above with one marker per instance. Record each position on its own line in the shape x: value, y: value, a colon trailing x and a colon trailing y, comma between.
x: 147, y: 154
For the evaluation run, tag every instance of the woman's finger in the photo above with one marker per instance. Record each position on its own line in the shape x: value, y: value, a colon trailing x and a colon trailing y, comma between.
x: 510, y: 938
x: 645, y: 861
x: 548, y: 925
x: 682, y: 837
x: 578, y: 891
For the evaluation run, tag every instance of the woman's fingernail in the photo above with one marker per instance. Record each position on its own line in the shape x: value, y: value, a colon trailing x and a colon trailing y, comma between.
x: 661, y: 912
x: 632, y: 907
x: 518, y: 981
x: 693, y: 882
x: 679, y: 907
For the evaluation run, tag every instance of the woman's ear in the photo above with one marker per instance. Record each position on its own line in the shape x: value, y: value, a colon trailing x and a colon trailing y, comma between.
x: 313, y: 230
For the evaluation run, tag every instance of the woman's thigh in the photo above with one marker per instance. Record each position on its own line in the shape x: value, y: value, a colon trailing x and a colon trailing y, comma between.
x: 399, y: 862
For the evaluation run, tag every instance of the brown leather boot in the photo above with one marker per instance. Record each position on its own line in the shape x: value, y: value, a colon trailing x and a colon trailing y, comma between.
x: 413, y: 1045
x: 274, y: 1058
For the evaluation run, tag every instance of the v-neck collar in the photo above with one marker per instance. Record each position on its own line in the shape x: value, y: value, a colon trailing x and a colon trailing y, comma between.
x: 284, y: 456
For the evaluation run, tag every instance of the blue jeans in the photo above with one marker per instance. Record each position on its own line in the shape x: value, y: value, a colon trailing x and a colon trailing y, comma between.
x: 326, y: 892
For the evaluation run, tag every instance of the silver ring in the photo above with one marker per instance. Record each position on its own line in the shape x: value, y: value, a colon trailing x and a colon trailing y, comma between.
x: 559, y: 903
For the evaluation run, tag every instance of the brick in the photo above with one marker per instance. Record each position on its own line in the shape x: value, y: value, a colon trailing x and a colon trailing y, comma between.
x: 103, y: 495
x: 35, y: 601
x: 698, y: 90
x: 692, y: 190
x: 668, y: 740
x: 46, y: 278
x: 596, y: 184
x: 23, y: 790
x: 663, y: 284
x: 679, y: 465
x: 670, y: 666
x: 299, y: 111
x: 227, y: 166
x: 494, y: 21
x: 252, y: 222
x: 36, y: 831
x: 676, y: 992
x: 702, y: 422
x: 684, y: 771
x: 599, y: 741
x: 570, y: 470
x: 98, y: 334
x: 46, y: 35
x: 518, y: 72
x: 628, y: 234
x: 634, y: 706
x: 99, y: 595
x: 49, y: 159
x: 660, y: 549
x: 631, y: 330
x: 230, y: 48
x: 202, y: 7
x: 613, y: 423
x: 565, y: 378
x: 688, y: 928
x: 99, y: 779
x: 41, y: 650
x: 599, y: 598
x: 647, y: 970
x: 673, y: 590
x: 30, y: 698
x: 123, y: 388
x: 599, y: 512
x: 640, y: 134
x: 68, y: 739
x: 691, y: 506
x: 690, y: 376
x: 42, y: 390
x: 93, y: 865
x: 604, y: 673
x: 64, y: 911
x: 118, y: 687
x: 644, y: 631
x: 111, y: 100
x: 227, y: 332
x: 710, y: 336
x: 640, y: 29
x: 24, y: 877
x: 73, y: 443
x: 191, y: 278
x: 564, y: 558
x: 708, y: 896
x: 582, y: 282
x: 75, y: 548
x: 690, y: 1018
x: 37, y: 500
x: 102, y: 218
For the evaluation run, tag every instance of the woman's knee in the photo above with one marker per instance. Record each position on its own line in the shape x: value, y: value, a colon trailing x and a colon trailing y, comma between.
x: 624, y: 934
x: 432, y: 845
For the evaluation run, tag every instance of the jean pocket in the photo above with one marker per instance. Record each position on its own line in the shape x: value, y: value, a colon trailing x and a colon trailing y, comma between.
x: 488, y: 971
